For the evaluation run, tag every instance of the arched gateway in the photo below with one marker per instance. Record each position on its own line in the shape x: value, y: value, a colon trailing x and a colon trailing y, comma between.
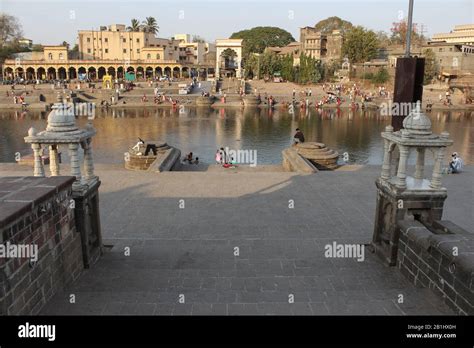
x: 232, y: 60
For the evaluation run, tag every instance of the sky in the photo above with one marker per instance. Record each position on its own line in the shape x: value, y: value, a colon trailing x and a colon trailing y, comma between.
x: 50, y: 22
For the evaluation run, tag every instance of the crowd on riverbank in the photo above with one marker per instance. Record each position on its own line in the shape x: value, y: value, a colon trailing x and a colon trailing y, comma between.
x: 353, y: 95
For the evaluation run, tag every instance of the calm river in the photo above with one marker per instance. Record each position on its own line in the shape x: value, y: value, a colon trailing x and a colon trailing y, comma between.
x: 203, y: 131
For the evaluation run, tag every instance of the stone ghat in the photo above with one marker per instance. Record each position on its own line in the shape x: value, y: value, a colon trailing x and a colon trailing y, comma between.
x: 165, y: 159
x: 321, y: 156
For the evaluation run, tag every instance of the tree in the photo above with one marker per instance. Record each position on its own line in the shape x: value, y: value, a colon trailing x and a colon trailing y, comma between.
x: 381, y: 76
x: 383, y: 39
x: 64, y: 43
x: 399, y: 33
x: 360, y: 45
x: 197, y: 38
x: 134, y: 25
x: 150, y: 25
x: 10, y: 29
x: 255, y: 40
x: 431, y: 66
x: 326, y: 26
x: 38, y: 48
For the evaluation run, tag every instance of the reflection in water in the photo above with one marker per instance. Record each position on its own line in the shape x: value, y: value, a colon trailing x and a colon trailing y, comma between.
x: 203, y: 130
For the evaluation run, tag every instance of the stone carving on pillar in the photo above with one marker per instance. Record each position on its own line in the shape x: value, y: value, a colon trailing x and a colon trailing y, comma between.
x: 404, y: 196
x: 62, y: 130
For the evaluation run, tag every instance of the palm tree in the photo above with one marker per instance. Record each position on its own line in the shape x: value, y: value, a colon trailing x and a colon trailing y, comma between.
x: 135, y: 25
x: 150, y: 25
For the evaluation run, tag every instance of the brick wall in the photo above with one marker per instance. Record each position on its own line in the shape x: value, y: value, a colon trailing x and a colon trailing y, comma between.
x: 37, y: 211
x: 441, y: 259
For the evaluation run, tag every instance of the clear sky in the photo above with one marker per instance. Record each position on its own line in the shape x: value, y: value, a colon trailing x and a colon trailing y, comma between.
x: 54, y: 21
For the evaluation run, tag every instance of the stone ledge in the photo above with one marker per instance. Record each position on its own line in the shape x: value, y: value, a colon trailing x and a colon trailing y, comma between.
x: 21, y: 194
x: 447, y: 271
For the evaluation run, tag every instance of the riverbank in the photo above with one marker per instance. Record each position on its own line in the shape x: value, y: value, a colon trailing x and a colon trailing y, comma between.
x: 282, y: 93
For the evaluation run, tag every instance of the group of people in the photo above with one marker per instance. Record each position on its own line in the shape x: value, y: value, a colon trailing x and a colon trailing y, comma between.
x: 189, y: 158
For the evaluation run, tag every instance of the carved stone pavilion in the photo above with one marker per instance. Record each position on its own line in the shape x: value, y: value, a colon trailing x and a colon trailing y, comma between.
x: 62, y: 131
x: 403, y: 195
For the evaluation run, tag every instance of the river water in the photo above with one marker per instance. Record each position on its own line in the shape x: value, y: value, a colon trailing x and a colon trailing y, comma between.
x: 202, y: 131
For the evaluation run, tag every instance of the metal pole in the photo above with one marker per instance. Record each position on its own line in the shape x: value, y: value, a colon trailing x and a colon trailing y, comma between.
x: 409, y: 28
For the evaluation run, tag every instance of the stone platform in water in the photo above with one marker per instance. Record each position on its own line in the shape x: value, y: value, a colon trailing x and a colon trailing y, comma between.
x: 165, y: 159
x: 319, y: 154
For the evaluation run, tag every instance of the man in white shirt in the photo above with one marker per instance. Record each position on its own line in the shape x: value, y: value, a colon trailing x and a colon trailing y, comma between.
x: 456, y: 164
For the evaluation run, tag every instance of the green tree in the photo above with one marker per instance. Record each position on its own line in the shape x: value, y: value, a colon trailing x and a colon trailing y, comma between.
x: 381, y: 76
x: 134, y: 25
x: 197, y: 38
x: 360, y: 45
x: 150, y: 25
x: 327, y: 25
x: 431, y: 66
x: 255, y: 40
x: 40, y: 48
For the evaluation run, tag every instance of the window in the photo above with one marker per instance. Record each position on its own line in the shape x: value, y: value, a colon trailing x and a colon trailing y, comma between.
x: 124, y: 50
x: 88, y: 39
x: 88, y: 50
x: 50, y: 56
x: 440, y: 50
x: 61, y: 56
x: 106, y: 40
x: 175, y: 48
x: 106, y: 50
x: 124, y: 40
x: 157, y: 56
x: 450, y: 49
x: 148, y: 56
x: 138, y: 50
x: 138, y: 40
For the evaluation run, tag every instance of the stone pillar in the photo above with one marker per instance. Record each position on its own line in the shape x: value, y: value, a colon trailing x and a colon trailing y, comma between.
x: 75, y: 166
x: 53, y: 160
x: 437, y: 170
x: 420, y: 163
x: 88, y: 161
x: 38, y: 161
x: 402, y: 164
x: 386, y: 161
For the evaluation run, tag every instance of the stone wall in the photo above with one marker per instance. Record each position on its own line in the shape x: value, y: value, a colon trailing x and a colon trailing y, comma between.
x: 37, y: 211
x: 441, y: 259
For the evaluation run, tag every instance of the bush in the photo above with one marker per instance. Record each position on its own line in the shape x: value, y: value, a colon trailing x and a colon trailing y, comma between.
x: 381, y: 76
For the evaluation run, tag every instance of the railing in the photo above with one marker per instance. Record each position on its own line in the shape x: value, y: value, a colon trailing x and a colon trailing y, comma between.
x: 88, y: 62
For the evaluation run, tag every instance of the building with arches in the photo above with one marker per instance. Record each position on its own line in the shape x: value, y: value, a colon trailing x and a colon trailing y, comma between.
x: 111, y: 50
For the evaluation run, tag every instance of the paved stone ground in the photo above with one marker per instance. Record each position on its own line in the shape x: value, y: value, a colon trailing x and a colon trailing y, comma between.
x: 190, y: 251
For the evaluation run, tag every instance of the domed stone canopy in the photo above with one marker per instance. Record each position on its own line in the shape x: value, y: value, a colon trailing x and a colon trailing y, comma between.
x: 61, y: 118
x: 417, y: 122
